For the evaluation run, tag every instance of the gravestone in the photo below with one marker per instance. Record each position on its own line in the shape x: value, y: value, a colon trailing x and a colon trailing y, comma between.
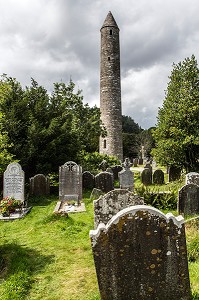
x: 192, y: 177
x: 88, y: 180
x: 141, y: 254
x: 158, y: 177
x: 148, y: 166
x: 39, y: 185
x: 104, y: 182
x: 135, y: 162
x: 174, y: 173
x: 140, y: 161
x: 188, y: 199
x: 126, y: 176
x: 103, y: 165
x: 116, y: 169
x: 146, y: 176
x: 110, y: 204
x: 13, y: 182
x: 70, y: 182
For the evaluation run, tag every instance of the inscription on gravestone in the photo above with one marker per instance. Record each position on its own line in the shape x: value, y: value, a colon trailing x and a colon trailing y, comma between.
x: 13, y: 182
x: 141, y: 254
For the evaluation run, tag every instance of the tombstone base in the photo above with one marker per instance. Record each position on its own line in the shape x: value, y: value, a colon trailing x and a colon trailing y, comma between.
x: 16, y: 215
x: 62, y: 207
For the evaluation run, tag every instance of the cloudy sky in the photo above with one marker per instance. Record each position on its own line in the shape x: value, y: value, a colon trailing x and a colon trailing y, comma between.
x: 55, y: 40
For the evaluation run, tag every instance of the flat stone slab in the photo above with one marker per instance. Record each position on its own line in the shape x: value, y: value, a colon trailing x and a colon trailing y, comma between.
x: 62, y: 207
x: 16, y: 215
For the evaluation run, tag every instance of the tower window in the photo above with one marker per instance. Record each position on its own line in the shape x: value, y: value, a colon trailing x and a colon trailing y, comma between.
x: 111, y: 32
x: 109, y: 58
x: 104, y: 144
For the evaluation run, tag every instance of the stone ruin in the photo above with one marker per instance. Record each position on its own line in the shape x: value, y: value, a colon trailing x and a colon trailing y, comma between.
x: 141, y: 254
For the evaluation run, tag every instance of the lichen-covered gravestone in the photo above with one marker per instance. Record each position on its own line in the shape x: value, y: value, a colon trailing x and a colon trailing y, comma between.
x: 126, y: 176
x: 70, y: 182
x: 188, y: 199
x: 39, y: 185
x: 13, y: 182
x: 104, y: 182
x: 88, y: 180
x: 141, y: 254
x: 110, y: 204
x: 146, y: 176
x: 158, y: 177
x: 192, y: 177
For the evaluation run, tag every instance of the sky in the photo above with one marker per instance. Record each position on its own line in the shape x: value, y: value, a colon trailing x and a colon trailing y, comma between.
x: 58, y: 40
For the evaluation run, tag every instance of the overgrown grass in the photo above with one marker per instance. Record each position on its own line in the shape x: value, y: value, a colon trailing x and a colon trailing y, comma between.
x: 45, y: 256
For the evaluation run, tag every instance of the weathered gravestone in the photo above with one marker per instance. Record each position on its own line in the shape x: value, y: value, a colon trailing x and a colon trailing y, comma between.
x: 88, y: 180
x: 174, y: 173
x: 116, y: 169
x: 188, y: 199
x: 39, y: 185
x: 192, y: 177
x: 158, y: 177
x: 135, y: 162
x: 126, y: 176
x: 70, y: 182
x: 13, y: 182
x: 141, y: 254
x: 104, y: 182
x: 110, y: 204
x: 146, y: 176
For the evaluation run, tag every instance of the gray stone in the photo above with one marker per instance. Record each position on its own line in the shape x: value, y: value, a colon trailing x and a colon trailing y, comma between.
x: 174, y: 173
x: 188, y: 199
x: 116, y: 169
x: 141, y: 254
x: 111, y: 203
x: 39, y: 185
x: 13, y: 182
x: 192, y: 177
x: 70, y: 182
x: 158, y: 177
x: 88, y: 180
x: 126, y: 179
x: 104, y: 182
x: 146, y: 176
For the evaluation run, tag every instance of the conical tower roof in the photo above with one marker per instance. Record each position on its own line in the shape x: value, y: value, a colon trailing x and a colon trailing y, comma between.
x: 110, y: 21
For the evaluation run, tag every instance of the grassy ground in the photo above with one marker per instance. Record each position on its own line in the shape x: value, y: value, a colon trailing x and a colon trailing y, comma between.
x: 45, y: 256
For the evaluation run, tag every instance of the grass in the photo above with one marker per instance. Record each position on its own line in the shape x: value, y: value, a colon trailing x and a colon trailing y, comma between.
x: 45, y: 256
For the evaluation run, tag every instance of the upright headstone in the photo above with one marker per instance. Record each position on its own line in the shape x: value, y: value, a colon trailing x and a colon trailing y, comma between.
x: 116, y: 169
x: 148, y: 166
x: 174, y: 173
x: 141, y: 254
x: 39, y: 185
x: 140, y: 161
x: 88, y: 180
x: 188, y: 199
x: 70, y: 182
x: 111, y: 203
x: 135, y: 162
x: 104, y: 182
x: 13, y: 182
x: 126, y: 176
x: 192, y: 177
x: 158, y: 177
x: 146, y: 176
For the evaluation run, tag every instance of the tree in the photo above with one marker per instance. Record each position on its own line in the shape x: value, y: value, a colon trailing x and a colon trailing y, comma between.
x: 177, y: 132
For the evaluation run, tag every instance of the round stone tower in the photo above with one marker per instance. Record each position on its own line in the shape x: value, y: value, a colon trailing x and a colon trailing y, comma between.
x: 110, y: 89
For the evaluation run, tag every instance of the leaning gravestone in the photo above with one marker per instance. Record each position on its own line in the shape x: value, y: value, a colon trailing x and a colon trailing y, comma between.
x: 70, y: 182
x: 116, y: 169
x: 13, y: 182
x: 192, y: 177
x: 104, y: 182
x: 88, y: 180
x: 141, y: 254
x: 39, y: 185
x: 110, y: 204
x: 126, y: 176
x: 188, y: 199
x: 146, y: 176
x: 158, y: 177
x: 174, y: 173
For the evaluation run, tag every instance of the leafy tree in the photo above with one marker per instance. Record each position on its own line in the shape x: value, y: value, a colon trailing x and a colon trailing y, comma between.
x: 177, y: 132
x: 146, y: 139
x: 129, y: 125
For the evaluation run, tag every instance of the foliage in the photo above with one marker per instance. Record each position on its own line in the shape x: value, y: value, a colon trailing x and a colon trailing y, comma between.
x: 129, y: 125
x: 91, y: 161
x: 9, y: 205
x: 131, y: 145
x: 146, y: 139
x: 177, y: 132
